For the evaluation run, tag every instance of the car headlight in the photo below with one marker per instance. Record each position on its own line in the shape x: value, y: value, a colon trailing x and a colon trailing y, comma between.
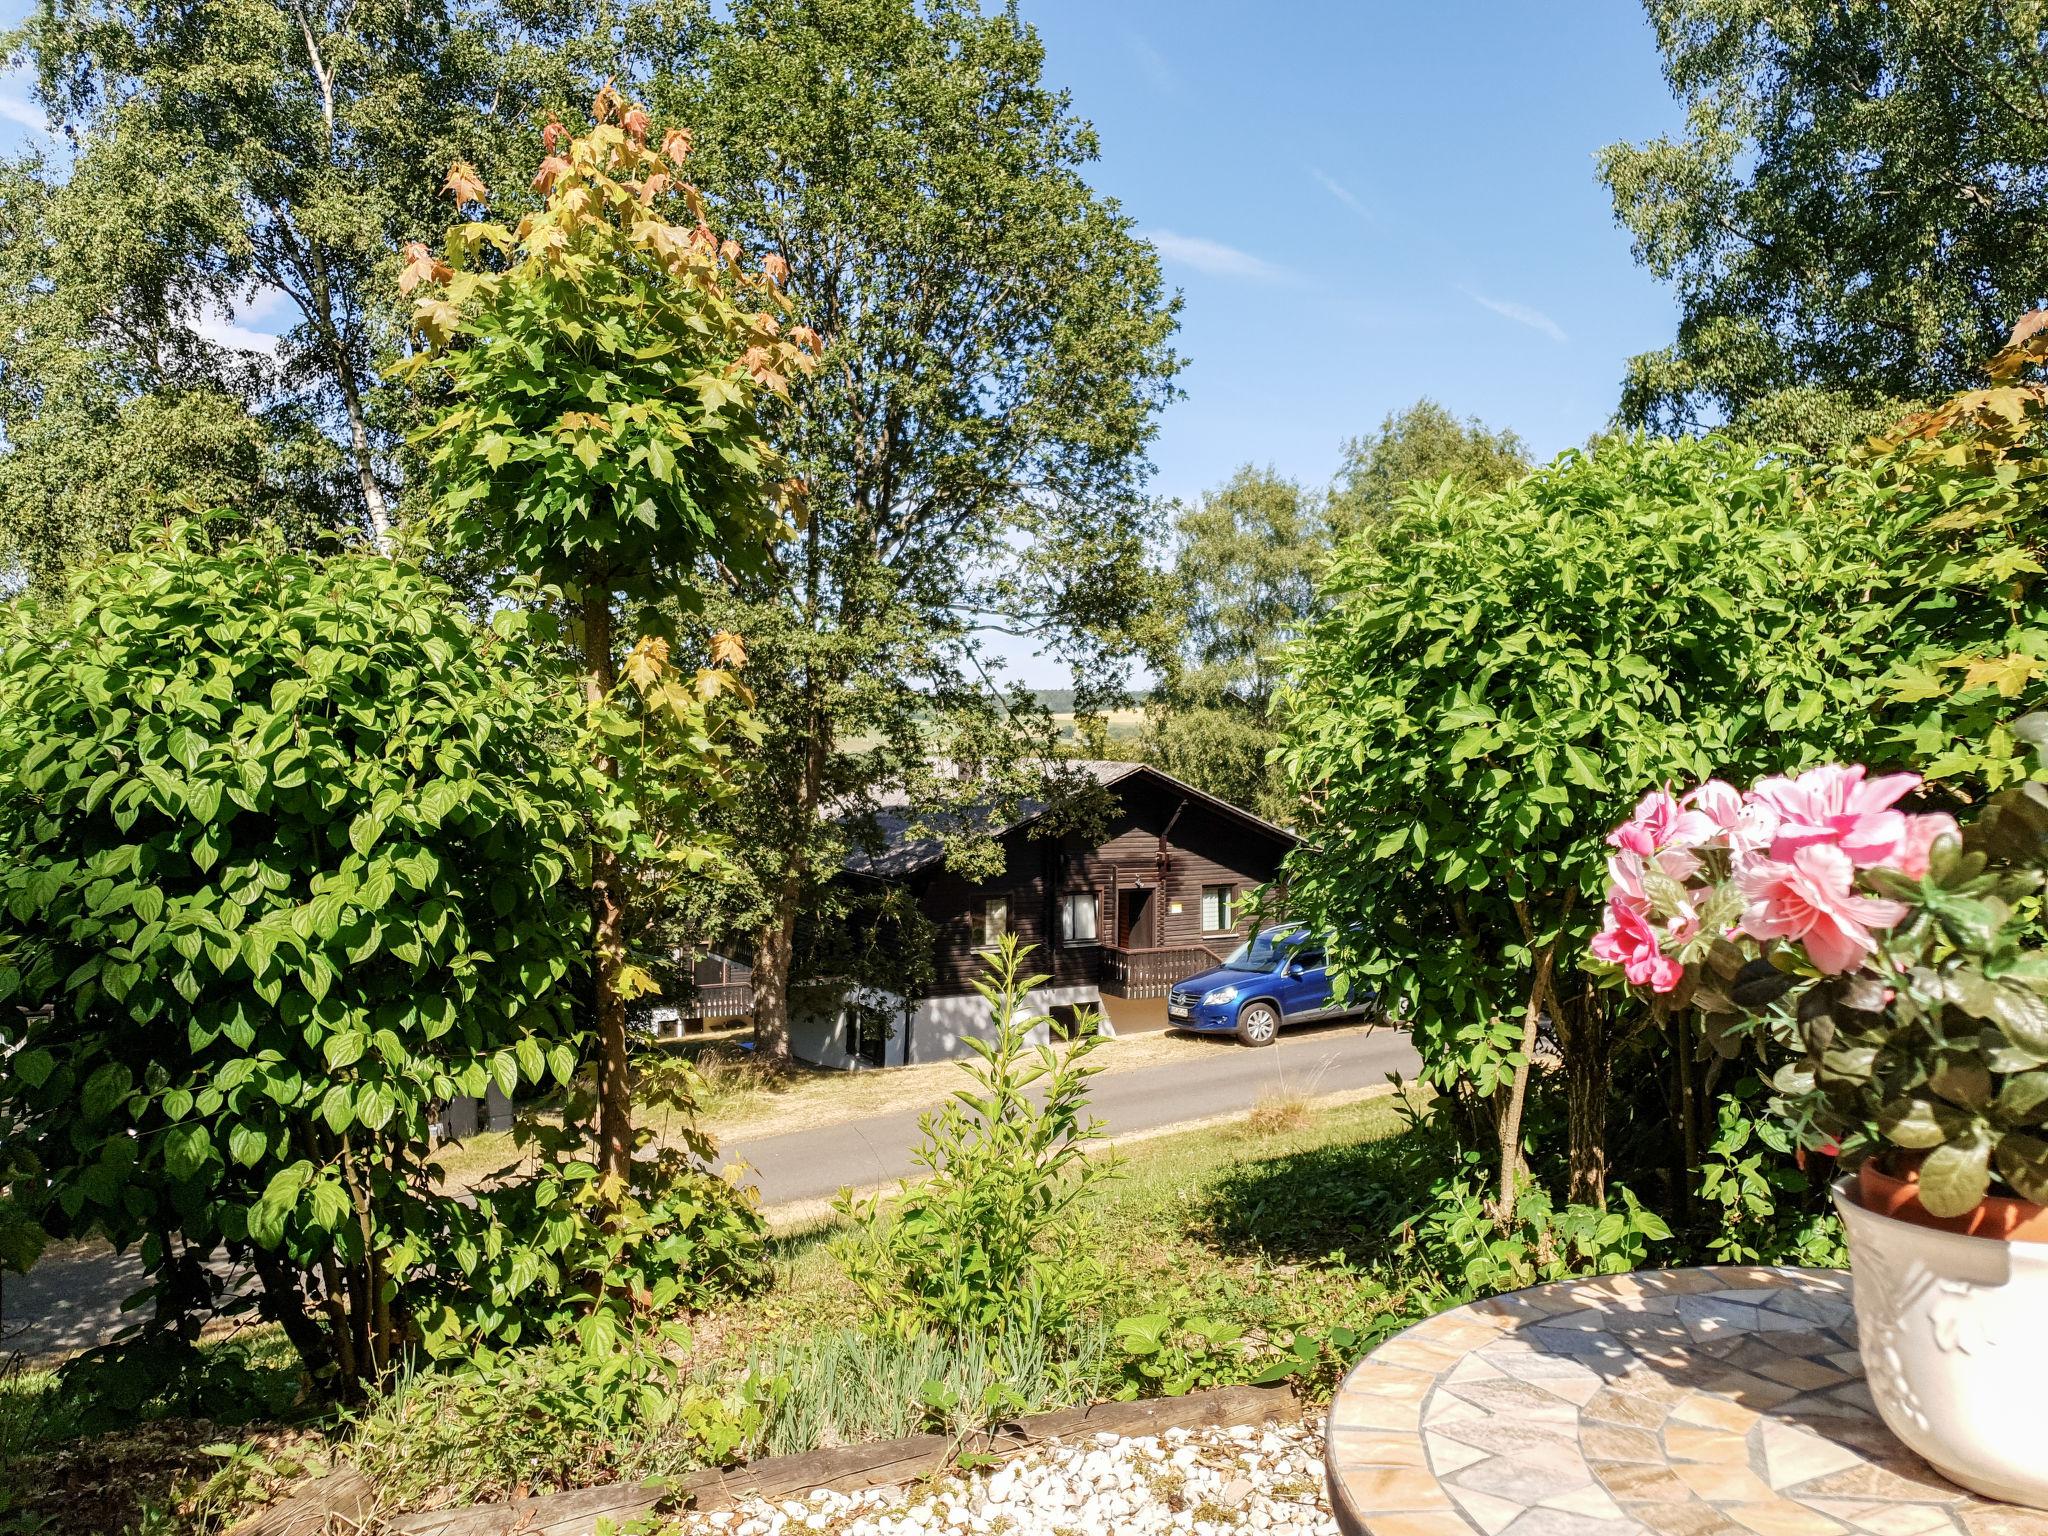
x: 1221, y: 995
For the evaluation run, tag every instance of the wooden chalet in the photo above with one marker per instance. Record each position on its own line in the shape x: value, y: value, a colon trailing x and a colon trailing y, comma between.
x: 1114, y: 920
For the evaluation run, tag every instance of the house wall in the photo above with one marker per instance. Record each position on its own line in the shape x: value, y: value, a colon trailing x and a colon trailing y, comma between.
x: 940, y: 1026
x: 1205, y: 846
x: 822, y: 1026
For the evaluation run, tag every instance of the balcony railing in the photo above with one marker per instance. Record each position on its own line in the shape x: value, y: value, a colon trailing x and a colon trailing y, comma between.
x: 1152, y: 972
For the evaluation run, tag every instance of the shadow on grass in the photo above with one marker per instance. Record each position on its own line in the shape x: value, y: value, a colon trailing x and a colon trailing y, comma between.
x: 1352, y: 1197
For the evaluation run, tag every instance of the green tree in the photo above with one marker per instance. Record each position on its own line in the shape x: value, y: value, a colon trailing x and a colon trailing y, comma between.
x: 252, y: 150
x: 974, y: 438
x: 599, y: 370
x: 1854, y: 215
x: 1495, y: 680
x: 292, y: 851
x: 107, y: 423
x: 1240, y: 588
x: 1425, y: 442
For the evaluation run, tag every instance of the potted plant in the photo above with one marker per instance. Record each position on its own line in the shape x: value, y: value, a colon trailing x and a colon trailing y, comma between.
x: 1893, y: 960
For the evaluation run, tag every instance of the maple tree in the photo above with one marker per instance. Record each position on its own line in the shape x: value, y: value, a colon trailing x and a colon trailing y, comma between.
x: 599, y: 369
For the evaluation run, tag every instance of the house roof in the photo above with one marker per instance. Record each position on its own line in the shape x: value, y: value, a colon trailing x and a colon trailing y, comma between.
x: 902, y: 854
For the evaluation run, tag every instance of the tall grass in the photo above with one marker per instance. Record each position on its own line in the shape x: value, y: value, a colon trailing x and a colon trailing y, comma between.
x: 846, y: 1386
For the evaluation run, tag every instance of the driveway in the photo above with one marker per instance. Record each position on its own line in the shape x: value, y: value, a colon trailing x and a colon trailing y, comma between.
x: 72, y: 1300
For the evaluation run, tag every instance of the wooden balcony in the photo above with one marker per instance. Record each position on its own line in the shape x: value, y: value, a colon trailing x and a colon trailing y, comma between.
x: 1151, y: 972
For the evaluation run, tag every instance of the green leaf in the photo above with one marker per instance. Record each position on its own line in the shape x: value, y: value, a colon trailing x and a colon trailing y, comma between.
x: 186, y: 1149
x: 247, y: 1144
x: 364, y: 831
x: 343, y: 1049
x: 1581, y: 767
x: 103, y: 1091
x: 2023, y: 1162
x: 1955, y: 1175
x: 2023, y: 1099
x: 1917, y: 1122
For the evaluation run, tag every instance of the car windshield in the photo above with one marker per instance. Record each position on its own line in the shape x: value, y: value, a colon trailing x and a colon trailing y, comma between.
x: 1263, y: 951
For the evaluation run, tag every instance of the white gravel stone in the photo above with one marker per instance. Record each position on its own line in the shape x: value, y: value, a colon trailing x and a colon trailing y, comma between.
x: 1204, y: 1482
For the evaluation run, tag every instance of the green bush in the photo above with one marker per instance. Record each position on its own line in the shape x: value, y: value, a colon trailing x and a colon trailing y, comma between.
x: 991, y: 1244
x: 845, y: 1386
x: 554, y: 1415
x: 292, y: 860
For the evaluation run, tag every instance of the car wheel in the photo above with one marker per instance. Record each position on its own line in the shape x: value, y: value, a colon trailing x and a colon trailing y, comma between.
x: 1258, y: 1024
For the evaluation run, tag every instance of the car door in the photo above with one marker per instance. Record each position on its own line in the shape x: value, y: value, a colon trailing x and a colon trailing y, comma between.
x: 1305, y: 985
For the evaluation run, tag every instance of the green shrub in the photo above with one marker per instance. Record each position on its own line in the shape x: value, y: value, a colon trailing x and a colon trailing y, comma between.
x: 561, y: 1414
x: 292, y: 857
x: 991, y: 1243
x: 846, y: 1386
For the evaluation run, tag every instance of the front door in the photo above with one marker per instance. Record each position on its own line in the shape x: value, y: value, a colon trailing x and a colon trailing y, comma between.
x: 1133, y: 917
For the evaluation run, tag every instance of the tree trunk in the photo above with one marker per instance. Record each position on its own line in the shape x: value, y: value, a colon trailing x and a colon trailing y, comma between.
x: 776, y: 944
x: 1588, y: 1076
x: 772, y: 949
x: 1511, y: 1166
x: 366, y: 470
x: 608, y: 917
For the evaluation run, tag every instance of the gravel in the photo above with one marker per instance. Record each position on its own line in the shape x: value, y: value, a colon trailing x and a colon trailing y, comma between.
x: 1201, y: 1482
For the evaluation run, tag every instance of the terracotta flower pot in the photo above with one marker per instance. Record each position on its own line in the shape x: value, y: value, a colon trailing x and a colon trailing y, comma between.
x: 1998, y: 1217
x: 1953, y: 1325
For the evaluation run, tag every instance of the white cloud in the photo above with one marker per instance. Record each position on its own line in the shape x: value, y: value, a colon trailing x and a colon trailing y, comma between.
x: 1339, y: 191
x: 1521, y: 314
x: 1214, y: 257
x: 23, y: 113
x: 228, y: 330
x: 1151, y: 63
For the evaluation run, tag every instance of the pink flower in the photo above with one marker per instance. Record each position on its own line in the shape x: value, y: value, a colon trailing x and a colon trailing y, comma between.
x: 1916, y: 849
x: 1630, y: 942
x: 1717, y: 800
x: 1812, y: 898
x: 1659, y: 822
x: 1625, y: 882
x: 1836, y: 806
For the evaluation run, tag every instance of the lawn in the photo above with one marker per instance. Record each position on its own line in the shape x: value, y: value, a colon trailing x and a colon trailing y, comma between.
x: 1239, y: 1233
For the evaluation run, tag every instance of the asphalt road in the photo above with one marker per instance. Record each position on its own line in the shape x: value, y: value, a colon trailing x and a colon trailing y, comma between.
x: 72, y: 1301
x: 1227, y: 1078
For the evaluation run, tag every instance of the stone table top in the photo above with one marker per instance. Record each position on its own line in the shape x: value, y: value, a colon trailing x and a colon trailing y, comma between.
x: 1689, y: 1402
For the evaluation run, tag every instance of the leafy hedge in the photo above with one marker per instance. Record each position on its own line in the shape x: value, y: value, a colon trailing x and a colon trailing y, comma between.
x: 294, y: 856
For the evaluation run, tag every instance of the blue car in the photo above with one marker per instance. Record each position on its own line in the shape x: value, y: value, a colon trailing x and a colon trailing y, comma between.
x: 1277, y: 977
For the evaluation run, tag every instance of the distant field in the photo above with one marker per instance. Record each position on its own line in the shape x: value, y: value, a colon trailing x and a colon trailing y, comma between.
x: 1124, y: 724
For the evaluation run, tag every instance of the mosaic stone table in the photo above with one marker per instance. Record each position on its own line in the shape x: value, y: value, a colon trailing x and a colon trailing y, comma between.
x: 1692, y: 1402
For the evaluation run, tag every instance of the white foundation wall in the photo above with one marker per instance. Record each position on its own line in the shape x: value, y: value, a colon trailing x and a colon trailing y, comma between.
x: 941, y: 1026
x: 822, y: 1026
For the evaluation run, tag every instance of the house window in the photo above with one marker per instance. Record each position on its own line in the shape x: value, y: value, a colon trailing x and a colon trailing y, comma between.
x: 1078, y: 916
x: 1219, y: 908
x: 991, y: 922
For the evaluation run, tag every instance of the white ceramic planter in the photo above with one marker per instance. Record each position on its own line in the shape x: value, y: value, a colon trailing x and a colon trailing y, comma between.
x: 1954, y: 1333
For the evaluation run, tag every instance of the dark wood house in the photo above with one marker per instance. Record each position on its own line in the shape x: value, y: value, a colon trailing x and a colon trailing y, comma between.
x: 1114, y: 918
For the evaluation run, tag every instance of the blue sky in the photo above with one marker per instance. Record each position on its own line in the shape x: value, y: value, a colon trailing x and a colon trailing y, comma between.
x: 1362, y: 203
x: 1365, y: 203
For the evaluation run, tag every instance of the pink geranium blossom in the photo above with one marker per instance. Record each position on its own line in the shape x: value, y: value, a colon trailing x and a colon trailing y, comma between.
x: 1630, y: 942
x: 1660, y: 822
x: 1836, y: 806
x: 1916, y: 849
x: 1811, y: 897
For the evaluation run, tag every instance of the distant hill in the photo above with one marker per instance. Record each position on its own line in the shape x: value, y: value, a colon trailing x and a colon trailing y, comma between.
x: 1060, y: 701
